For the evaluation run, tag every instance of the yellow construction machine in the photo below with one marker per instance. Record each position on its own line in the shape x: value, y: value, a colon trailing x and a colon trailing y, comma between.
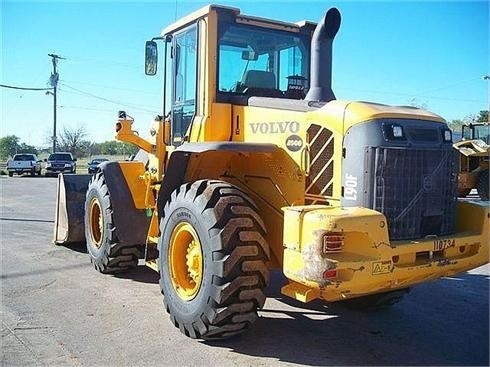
x: 254, y: 165
x: 474, y: 157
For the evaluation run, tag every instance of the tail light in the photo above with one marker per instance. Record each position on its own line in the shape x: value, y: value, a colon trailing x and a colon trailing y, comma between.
x: 330, y: 274
x: 333, y: 242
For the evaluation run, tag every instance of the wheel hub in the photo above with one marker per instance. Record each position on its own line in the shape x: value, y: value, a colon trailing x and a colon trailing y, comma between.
x: 185, y: 261
x: 96, y: 223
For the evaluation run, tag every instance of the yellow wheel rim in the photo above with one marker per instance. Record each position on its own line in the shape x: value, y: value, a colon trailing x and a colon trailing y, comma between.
x: 185, y: 261
x: 96, y: 222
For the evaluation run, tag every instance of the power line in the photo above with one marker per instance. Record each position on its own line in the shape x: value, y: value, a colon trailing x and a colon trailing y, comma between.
x: 22, y: 88
x: 108, y: 100
x: 106, y: 86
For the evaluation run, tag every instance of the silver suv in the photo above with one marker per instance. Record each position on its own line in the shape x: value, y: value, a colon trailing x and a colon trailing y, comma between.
x: 60, y: 162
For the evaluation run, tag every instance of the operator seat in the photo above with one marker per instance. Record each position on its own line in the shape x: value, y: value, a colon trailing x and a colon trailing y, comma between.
x: 259, y: 83
x: 259, y: 79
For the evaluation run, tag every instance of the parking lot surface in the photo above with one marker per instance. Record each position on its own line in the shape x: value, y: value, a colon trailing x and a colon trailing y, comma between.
x: 56, y: 310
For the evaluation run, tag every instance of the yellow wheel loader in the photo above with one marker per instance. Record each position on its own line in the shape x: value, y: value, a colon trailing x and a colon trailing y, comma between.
x: 474, y: 157
x: 254, y: 165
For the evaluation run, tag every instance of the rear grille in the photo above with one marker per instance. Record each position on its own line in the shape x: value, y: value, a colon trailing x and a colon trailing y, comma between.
x: 319, y: 182
x: 410, y: 187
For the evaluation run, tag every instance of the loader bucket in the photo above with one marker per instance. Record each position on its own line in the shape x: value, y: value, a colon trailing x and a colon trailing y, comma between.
x: 70, y: 208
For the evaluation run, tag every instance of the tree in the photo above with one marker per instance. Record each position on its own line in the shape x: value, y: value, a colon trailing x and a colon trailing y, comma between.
x: 482, y: 116
x: 25, y: 148
x: 455, y: 125
x: 9, y: 145
x: 70, y: 140
x: 415, y: 102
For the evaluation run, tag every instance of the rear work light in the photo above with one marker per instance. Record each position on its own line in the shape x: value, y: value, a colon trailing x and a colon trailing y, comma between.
x: 333, y: 242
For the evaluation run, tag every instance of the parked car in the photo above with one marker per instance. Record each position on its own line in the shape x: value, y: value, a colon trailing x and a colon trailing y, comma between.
x: 60, y: 162
x: 24, y: 163
x: 94, y: 163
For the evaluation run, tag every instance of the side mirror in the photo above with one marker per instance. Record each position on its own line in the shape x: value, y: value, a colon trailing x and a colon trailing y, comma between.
x: 151, y: 58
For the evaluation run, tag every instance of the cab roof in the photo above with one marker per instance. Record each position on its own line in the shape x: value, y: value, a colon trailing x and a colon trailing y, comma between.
x: 269, y: 23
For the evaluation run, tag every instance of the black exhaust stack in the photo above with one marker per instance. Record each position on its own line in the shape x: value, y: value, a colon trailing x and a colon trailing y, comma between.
x: 321, y: 57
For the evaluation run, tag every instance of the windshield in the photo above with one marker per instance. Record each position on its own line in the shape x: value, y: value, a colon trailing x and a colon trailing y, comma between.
x: 24, y: 157
x: 98, y: 160
x: 60, y: 157
x: 477, y: 131
x: 267, y: 62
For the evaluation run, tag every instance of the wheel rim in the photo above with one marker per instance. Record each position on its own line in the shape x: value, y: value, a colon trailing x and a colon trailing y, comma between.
x: 96, y: 222
x: 185, y: 261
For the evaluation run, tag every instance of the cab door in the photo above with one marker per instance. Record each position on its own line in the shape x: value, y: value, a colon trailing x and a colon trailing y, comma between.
x: 184, y: 82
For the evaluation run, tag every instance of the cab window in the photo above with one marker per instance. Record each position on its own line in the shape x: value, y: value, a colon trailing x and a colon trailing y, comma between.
x: 184, y: 82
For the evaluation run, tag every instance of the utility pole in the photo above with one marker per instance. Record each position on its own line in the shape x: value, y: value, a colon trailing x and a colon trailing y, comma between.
x: 53, y: 80
x: 487, y: 78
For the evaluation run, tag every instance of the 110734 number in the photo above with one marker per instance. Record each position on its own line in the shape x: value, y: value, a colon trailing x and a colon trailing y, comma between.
x: 440, y: 245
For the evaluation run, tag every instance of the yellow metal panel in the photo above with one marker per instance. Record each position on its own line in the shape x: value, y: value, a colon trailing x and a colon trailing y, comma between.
x: 342, y: 115
x: 369, y: 262
x: 134, y: 175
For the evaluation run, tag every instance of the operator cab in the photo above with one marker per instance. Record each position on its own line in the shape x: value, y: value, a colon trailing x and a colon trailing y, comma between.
x: 217, y: 56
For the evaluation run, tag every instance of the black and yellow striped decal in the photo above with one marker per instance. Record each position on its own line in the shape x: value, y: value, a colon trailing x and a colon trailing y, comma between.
x: 319, y: 182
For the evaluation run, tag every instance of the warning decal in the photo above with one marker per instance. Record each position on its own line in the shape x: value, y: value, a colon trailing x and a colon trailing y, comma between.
x: 381, y: 267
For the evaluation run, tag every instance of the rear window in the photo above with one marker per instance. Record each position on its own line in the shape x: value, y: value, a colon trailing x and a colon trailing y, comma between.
x: 24, y: 157
x: 60, y: 157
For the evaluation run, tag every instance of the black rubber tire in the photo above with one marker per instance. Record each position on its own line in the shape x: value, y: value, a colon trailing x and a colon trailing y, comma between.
x: 106, y: 253
x: 482, y: 185
x: 234, y: 255
x: 377, y: 301
x: 11, y: 174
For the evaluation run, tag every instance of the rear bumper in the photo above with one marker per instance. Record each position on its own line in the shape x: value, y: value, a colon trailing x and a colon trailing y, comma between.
x: 58, y: 170
x: 23, y: 169
x: 369, y: 262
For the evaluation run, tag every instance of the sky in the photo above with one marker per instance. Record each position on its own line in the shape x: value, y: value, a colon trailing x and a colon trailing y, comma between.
x: 431, y: 53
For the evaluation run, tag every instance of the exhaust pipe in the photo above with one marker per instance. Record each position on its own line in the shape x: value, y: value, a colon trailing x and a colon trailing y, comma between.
x: 321, y: 57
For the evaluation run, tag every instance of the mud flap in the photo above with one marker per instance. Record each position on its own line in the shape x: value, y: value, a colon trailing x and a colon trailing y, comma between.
x: 69, y: 224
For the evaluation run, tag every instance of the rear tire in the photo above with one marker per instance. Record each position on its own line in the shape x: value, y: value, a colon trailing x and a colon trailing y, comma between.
x: 107, y: 254
x: 482, y: 185
x: 11, y: 174
x: 212, y: 260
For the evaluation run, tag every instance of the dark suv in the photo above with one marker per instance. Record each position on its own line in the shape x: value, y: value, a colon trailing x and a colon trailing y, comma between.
x: 60, y: 162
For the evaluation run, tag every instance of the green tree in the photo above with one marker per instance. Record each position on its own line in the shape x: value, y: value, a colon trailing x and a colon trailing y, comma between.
x: 9, y: 145
x: 482, y: 116
x: 24, y: 148
x: 455, y: 125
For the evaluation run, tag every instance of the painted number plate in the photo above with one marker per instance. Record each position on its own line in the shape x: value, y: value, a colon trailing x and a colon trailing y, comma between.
x: 440, y: 245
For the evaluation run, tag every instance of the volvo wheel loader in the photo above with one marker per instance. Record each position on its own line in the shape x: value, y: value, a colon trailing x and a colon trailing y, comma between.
x: 254, y: 165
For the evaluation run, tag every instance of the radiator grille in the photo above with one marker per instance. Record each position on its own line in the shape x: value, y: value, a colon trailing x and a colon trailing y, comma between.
x: 411, y: 188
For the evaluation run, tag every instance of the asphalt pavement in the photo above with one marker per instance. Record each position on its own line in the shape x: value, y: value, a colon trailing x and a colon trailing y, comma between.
x: 56, y: 310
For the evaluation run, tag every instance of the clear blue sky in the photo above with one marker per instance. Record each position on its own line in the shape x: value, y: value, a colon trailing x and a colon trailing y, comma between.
x: 434, y: 53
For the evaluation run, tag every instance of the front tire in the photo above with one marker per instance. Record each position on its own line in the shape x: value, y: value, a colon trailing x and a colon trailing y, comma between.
x: 107, y: 254
x: 212, y: 260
